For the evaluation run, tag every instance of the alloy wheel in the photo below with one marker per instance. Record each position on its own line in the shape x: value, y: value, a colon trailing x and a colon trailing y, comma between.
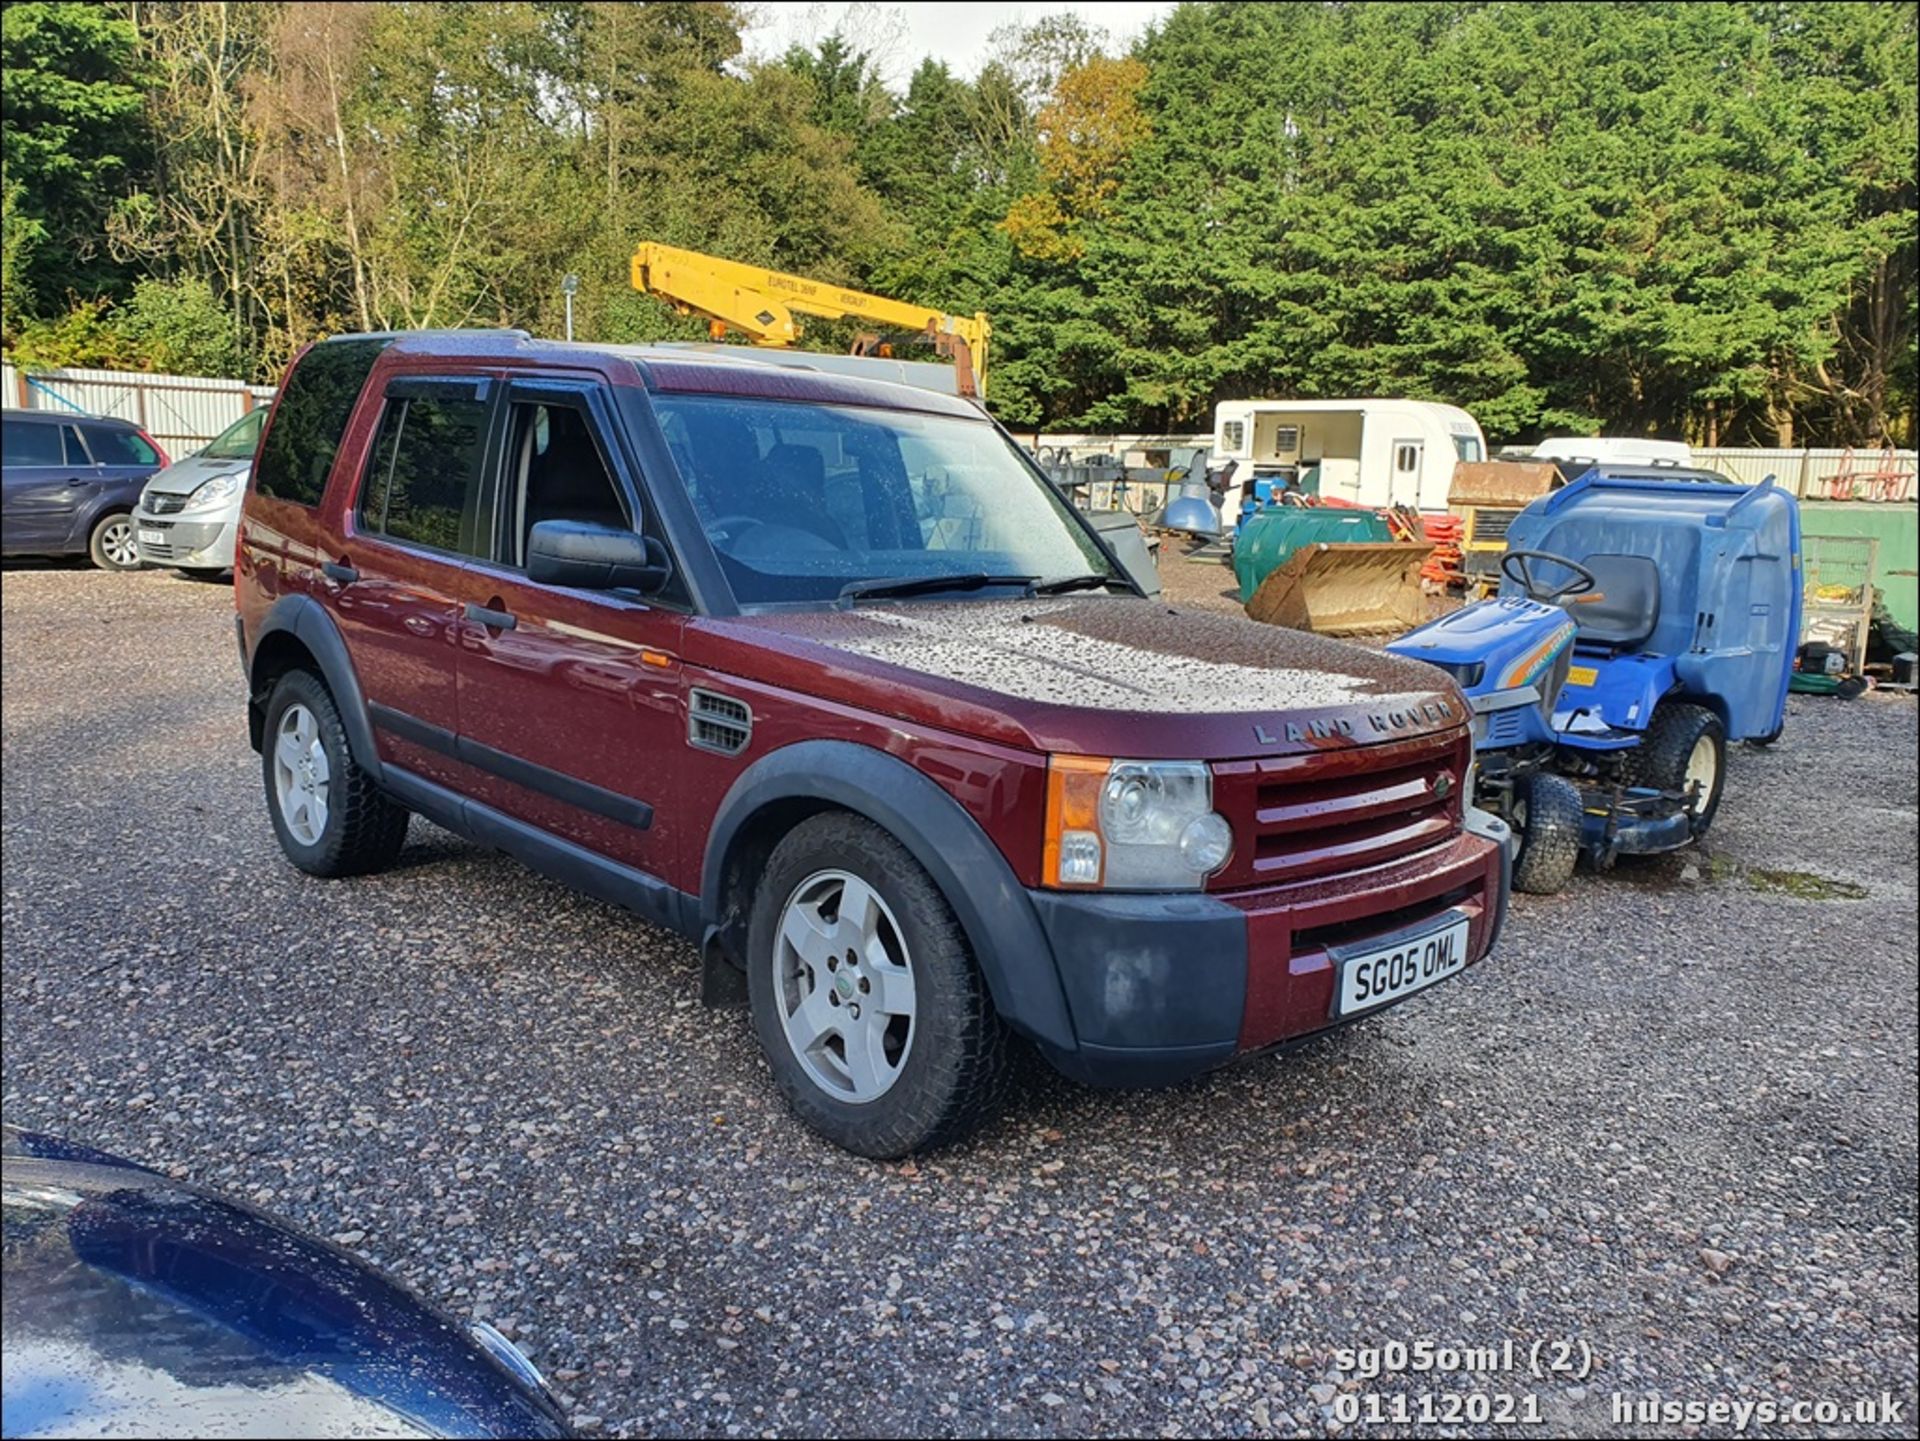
x: 844, y: 983
x: 117, y: 544
x: 300, y: 775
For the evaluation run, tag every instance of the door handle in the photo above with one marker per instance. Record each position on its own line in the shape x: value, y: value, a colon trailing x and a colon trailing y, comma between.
x: 491, y: 619
x: 335, y: 571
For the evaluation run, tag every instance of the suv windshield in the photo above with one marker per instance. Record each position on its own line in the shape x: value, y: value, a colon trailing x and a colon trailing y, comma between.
x: 802, y: 502
x: 238, y: 440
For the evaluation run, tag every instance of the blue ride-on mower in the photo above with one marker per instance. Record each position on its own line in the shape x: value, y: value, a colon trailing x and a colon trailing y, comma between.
x: 1640, y: 626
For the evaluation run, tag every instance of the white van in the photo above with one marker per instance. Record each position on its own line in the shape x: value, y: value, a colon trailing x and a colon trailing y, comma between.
x: 1614, y: 450
x: 1369, y: 452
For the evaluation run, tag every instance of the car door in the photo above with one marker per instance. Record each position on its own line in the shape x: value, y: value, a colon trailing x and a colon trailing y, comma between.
x: 398, y: 584
x: 571, y: 699
x: 123, y: 459
x: 49, y: 480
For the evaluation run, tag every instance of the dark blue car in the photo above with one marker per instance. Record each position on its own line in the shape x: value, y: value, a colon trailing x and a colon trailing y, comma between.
x: 71, y: 483
x: 137, y: 1305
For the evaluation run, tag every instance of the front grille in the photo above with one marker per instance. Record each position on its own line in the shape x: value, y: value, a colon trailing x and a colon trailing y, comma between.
x: 1295, y: 817
x: 1492, y: 524
x: 1380, y: 923
x: 718, y: 722
x: 163, y: 504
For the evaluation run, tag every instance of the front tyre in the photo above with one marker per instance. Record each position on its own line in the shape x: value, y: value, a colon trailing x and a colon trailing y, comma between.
x: 1685, y: 751
x: 111, y: 545
x: 1547, y: 813
x: 332, y: 820
x: 875, y: 1020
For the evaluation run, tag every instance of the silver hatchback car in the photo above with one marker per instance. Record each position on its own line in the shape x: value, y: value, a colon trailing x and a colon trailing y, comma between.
x: 189, y: 512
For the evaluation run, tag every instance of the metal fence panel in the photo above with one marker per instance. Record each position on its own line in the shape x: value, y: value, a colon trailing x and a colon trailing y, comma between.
x: 1817, y: 473
x: 182, y: 412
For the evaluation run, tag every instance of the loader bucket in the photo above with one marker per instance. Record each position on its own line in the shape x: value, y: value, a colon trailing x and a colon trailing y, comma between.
x: 1346, y: 589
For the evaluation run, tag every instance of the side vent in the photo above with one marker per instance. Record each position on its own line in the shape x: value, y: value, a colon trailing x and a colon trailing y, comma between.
x: 718, y: 723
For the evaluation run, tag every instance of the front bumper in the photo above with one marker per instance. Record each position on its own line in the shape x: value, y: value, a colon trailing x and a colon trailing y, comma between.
x: 1163, y: 987
x: 191, y: 543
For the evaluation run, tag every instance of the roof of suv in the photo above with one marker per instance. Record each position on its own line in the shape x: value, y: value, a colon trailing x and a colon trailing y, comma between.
x: 1641, y: 470
x: 678, y: 371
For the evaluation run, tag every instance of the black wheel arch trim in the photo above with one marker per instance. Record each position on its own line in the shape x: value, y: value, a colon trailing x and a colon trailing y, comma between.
x: 993, y: 908
x: 308, y: 622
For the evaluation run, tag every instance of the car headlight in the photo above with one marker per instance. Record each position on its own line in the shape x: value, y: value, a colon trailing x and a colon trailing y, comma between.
x: 1132, y: 825
x: 216, y: 492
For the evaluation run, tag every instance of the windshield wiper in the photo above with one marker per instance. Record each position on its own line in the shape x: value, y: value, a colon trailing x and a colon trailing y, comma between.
x: 1075, y: 582
x: 927, y: 584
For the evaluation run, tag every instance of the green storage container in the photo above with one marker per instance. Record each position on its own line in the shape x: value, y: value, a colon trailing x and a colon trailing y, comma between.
x: 1892, y: 523
x: 1271, y: 536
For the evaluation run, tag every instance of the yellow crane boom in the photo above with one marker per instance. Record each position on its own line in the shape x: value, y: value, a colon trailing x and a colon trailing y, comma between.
x: 760, y: 304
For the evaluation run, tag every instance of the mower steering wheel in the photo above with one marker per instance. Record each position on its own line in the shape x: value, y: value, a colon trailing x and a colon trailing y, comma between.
x: 1521, y: 574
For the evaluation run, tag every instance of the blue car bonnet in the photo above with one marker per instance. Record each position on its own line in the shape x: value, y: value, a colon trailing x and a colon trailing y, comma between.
x: 136, y: 1304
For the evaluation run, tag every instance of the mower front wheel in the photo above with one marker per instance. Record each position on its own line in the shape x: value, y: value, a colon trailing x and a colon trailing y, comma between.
x: 1686, y: 751
x: 1546, y: 812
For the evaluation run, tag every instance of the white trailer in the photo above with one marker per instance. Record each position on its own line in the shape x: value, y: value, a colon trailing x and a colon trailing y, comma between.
x: 1370, y: 452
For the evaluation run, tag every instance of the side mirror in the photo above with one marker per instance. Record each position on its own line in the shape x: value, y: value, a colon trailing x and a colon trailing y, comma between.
x: 588, y: 556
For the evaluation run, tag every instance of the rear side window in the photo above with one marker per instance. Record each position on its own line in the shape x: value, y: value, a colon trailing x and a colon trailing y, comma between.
x: 312, y: 418
x: 424, y: 478
x: 119, y: 447
x: 30, y: 444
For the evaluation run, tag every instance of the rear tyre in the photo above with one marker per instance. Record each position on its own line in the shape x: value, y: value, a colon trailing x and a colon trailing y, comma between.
x: 1685, y: 750
x: 1547, y: 813
x: 111, y: 546
x: 875, y: 1019
x: 332, y: 820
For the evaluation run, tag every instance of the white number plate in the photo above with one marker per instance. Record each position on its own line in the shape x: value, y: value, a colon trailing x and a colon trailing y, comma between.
x: 1373, y: 974
x: 153, y: 537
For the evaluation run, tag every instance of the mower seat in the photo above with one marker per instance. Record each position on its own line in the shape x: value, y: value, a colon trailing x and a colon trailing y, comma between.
x: 1630, y: 605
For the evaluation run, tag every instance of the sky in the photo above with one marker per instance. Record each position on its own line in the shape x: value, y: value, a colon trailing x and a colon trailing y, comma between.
x: 900, y: 35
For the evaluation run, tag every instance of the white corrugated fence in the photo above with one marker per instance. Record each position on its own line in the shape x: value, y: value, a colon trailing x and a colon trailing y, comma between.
x: 1819, y: 473
x: 1816, y: 473
x: 182, y: 412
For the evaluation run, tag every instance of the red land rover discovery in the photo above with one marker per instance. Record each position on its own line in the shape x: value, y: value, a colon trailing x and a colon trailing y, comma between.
x: 823, y: 674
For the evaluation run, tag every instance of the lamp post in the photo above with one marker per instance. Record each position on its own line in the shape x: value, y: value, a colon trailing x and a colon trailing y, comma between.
x: 567, y: 288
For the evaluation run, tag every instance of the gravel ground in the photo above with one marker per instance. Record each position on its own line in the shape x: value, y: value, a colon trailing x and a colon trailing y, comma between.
x: 1672, y: 1120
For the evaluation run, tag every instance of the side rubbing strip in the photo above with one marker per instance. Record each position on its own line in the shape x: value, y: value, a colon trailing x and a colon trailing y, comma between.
x: 542, y: 780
